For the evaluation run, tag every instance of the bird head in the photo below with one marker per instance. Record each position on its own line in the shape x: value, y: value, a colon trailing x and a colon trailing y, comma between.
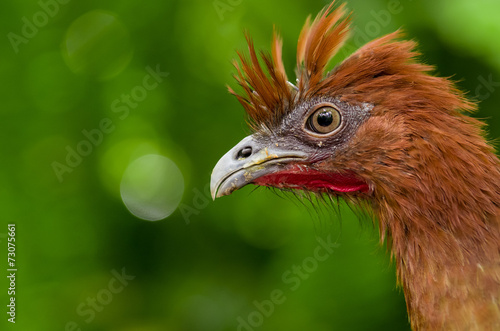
x: 348, y: 132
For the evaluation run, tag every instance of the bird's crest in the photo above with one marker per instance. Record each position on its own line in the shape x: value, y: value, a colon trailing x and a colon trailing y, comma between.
x: 383, y: 72
x: 267, y: 96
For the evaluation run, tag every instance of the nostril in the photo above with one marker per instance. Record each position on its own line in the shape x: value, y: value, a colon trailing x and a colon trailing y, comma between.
x: 245, y: 152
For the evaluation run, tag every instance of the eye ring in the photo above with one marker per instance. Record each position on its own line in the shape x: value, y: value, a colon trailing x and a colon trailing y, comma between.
x: 323, y: 121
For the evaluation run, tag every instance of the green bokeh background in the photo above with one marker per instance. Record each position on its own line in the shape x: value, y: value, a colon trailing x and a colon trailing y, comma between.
x: 204, y: 266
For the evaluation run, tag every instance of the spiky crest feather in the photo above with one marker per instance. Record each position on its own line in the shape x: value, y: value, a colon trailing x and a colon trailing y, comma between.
x: 267, y: 94
x: 384, y: 73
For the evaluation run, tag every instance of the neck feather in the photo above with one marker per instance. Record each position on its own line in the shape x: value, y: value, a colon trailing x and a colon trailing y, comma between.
x: 440, y: 213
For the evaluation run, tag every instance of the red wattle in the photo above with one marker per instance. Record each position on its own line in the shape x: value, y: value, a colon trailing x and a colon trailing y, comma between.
x: 298, y: 177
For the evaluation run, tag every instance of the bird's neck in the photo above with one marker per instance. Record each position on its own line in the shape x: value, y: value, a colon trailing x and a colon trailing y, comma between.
x: 450, y: 279
x: 442, y: 226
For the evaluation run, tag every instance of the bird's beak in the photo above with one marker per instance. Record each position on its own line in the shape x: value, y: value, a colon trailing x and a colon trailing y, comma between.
x: 247, y: 161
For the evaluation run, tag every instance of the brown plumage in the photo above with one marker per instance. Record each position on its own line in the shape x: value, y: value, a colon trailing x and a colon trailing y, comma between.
x: 404, y: 145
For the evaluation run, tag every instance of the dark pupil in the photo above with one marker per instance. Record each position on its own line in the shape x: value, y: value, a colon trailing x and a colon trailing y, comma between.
x: 325, y: 118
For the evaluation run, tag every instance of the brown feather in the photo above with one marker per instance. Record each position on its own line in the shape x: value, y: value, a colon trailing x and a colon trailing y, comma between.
x: 326, y: 35
x: 277, y: 46
x: 301, y: 44
x: 436, y: 180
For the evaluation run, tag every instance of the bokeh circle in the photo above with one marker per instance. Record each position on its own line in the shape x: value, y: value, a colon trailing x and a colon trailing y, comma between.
x: 97, y: 44
x: 152, y: 187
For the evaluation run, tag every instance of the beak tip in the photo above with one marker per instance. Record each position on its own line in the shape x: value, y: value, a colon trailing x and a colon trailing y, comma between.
x: 214, y: 190
x: 219, y: 189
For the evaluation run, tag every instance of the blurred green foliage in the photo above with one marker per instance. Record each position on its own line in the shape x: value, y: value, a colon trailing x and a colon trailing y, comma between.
x: 68, y: 65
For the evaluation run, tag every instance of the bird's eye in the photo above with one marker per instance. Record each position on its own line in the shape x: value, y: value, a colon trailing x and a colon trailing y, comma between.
x: 324, y: 120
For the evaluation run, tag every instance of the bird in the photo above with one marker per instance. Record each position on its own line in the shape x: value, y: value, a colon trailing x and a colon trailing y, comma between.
x: 381, y: 131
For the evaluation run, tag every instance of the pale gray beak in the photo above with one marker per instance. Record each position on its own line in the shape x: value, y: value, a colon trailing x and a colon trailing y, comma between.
x: 247, y: 161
